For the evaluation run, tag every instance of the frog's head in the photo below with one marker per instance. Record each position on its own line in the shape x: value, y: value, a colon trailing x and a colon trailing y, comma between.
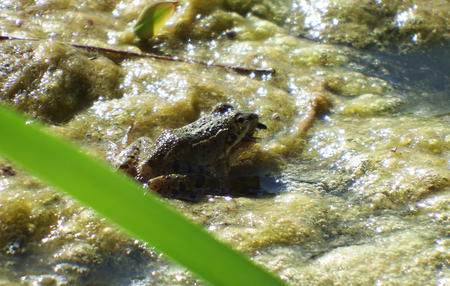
x: 240, y: 125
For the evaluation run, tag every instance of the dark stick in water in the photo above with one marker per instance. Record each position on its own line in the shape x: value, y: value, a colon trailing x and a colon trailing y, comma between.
x: 237, y: 69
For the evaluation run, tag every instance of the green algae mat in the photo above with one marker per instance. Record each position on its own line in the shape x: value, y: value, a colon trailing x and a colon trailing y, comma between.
x: 358, y: 194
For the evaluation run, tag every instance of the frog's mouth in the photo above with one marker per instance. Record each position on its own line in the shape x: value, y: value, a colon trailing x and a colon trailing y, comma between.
x: 259, y: 125
x: 249, y: 138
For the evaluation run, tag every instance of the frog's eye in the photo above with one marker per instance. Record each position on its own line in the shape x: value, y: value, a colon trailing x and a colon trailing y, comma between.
x: 252, y: 116
x: 246, y: 117
x: 223, y: 108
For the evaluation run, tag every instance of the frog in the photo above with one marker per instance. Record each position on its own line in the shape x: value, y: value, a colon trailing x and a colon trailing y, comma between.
x: 192, y: 161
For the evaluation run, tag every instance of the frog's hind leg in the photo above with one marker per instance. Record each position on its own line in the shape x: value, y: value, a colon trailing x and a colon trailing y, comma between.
x: 175, y: 186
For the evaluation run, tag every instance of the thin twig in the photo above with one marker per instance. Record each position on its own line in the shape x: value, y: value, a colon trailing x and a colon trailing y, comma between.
x: 153, y: 56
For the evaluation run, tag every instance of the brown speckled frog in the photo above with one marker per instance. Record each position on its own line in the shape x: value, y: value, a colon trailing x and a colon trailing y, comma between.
x: 191, y: 161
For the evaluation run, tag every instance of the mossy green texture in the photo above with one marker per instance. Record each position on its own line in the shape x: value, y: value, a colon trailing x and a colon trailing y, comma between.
x: 369, y: 177
x: 52, y: 81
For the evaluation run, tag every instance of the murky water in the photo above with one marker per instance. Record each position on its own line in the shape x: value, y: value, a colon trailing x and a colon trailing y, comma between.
x: 359, y: 196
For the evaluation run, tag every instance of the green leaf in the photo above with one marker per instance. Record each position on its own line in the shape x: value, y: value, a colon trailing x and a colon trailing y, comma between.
x: 122, y: 200
x: 153, y: 18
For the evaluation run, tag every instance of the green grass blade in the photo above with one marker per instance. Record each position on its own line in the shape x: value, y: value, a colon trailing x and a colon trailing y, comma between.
x: 153, y: 18
x: 92, y: 182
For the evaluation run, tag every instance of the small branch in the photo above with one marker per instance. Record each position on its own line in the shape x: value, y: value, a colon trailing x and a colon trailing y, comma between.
x: 237, y: 69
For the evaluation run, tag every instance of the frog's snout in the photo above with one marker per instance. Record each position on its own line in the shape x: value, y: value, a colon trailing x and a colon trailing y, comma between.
x: 252, y: 117
x: 255, y: 117
x: 259, y: 125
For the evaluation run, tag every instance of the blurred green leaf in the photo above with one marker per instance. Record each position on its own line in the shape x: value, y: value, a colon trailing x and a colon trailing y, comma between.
x: 153, y: 18
x: 122, y: 200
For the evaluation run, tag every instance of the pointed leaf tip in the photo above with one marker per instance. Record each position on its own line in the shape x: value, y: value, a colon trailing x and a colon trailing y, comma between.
x: 153, y: 19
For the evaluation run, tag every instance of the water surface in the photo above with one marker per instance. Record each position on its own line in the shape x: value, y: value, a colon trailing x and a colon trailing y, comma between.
x: 360, y: 197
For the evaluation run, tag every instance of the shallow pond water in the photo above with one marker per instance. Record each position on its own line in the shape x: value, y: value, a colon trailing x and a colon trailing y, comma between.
x: 357, y: 194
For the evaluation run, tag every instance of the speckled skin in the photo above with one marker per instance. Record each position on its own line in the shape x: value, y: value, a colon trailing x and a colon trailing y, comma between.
x: 191, y: 161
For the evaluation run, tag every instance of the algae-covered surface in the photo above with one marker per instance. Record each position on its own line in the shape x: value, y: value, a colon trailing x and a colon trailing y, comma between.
x: 358, y: 196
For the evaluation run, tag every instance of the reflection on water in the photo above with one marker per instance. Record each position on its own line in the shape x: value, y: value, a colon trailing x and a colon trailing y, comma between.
x: 422, y: 76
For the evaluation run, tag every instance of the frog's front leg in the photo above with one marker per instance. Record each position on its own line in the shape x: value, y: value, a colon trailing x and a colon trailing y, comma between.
x: 128, y: 160
x: 185, y: 187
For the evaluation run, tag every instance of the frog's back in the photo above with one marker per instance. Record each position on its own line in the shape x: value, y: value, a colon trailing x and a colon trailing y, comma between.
x: 192, y: 149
